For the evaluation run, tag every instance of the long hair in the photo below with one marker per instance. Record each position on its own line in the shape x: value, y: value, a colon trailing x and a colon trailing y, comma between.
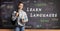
x: 19, y: 4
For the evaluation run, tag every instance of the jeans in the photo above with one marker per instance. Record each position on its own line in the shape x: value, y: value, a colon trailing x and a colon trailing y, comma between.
x: 19, y: 28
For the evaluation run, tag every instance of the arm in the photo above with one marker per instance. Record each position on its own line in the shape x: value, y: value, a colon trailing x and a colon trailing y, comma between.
x: 25, y: 18
x: 14, y: 15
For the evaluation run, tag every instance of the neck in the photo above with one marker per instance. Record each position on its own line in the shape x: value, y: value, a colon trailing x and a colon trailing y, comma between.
x: 20, y: 10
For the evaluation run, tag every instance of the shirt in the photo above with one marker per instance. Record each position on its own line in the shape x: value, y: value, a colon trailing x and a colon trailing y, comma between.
x: 22, y: 15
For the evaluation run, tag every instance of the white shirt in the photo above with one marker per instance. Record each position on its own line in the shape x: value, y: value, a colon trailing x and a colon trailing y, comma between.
x: 22, y: 14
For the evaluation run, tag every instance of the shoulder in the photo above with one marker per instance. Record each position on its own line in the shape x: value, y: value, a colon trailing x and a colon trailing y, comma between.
x: 24, y: 12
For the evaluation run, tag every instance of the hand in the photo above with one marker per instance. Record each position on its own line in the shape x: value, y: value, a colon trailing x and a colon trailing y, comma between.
x: 17, y: 14
x: 23, y: 20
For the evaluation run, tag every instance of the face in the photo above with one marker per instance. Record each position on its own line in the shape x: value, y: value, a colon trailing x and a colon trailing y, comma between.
x: 20, y: 6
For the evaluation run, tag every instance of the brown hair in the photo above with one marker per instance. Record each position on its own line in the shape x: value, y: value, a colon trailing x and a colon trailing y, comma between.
x: 20, y: 2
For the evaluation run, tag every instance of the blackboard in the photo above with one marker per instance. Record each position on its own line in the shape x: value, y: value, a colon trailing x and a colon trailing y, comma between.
x: 41, y: 13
